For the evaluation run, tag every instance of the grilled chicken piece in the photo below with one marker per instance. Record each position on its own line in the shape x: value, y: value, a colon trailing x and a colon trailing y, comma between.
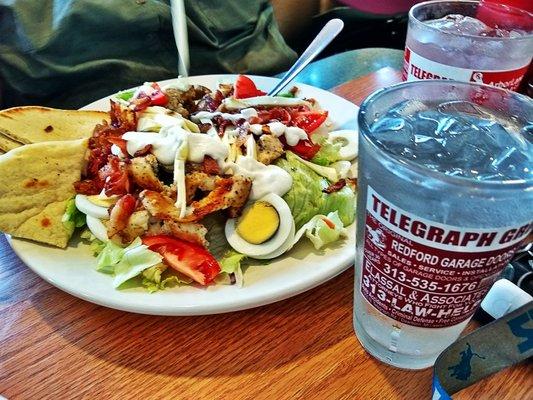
x: 163, y: 208
x: 120, y: 214
x: 239, y: 194
x: 182, y: 101
x: 159, y: 205
x: 143, y: 171
x: 189, y: 231
x: 137, y: 226
x: 224, y: 192
x: 269, y: 149
x: 198, y: 181
x: 229, y: 192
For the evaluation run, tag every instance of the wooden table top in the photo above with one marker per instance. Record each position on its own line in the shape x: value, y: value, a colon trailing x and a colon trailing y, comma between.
x: 56, y: 346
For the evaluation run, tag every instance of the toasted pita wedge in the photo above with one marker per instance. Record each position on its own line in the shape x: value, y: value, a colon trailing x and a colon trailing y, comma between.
x: 7, y: 144
x: 36, y: 181
x: 33, y: 124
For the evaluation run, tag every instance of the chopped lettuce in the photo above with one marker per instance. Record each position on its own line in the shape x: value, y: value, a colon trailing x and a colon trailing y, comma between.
x: 126, y: 95
x: 326, y: 172
x: 72, y: 218
x: 231, y: 263
x: 306, y: 198
x: 137, y: 257
x: 109, y: 257
x: 322, y: 230
x: 126, y: 263
x: 218, y: 244
x: 287, y: 94
x: 328, y: 153
x: 157, y: 278
x: 96, y: 245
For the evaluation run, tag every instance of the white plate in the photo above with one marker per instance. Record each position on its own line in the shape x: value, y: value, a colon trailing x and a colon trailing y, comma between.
x: 72, y: 269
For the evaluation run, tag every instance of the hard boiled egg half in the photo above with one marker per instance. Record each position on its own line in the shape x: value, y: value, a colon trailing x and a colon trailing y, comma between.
x: 264, y: 230
x: 96, y: 209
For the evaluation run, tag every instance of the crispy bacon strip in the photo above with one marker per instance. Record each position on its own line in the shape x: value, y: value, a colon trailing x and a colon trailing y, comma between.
x: 210, y: 166
x: 104, y: 135
x: 335, y: 187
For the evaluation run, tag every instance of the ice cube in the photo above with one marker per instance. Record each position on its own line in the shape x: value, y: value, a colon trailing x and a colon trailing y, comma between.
x: 388, y: 124
x: 458, y: 138
x: 459, y: 24
x: 407, y: 108
x: 464, y: 107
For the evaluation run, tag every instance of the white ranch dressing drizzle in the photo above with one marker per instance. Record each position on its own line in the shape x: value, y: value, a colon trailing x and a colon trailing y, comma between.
x: 166, y: 143
x: 232, y: 103
x: 265, y: 178
x: 292, y: 134
x: 245, y: 114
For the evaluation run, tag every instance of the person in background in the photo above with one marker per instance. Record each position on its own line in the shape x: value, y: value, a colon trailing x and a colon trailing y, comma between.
x: 385, y: 7
x: 69, y: 53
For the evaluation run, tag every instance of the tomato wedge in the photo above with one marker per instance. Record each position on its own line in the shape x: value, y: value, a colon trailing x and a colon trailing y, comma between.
x: 245, y: 87
x: 309, y: 121
x: 188, y: 258
x: 157, y: 96
x: 305, y: 149
x: 151, y: 95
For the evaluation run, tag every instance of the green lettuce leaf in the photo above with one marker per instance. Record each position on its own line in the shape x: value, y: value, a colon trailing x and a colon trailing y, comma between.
x: 328, y: 153
x: 231, y: 263
x: 135, y: 259
x: 126, y: 263
x: 96, y: 245
x: 306, y: 198
x: 157, y: 278
x: 125, y: 95
x: 72, y: 218
x: 287, y: 94
x: 327, y: 172
x: 342, y: 201
x: 322, y: 230
x: 109, y: 258
x: 218, y: 244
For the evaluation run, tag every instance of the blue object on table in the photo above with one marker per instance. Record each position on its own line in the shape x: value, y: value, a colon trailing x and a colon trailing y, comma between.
x: 498, y: 345
x: 343, y: 67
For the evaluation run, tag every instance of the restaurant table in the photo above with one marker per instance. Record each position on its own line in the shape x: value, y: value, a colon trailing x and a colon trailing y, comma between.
x: 56, y: 346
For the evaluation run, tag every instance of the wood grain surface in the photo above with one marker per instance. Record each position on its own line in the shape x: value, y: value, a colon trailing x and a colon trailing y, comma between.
x: 55, y: 346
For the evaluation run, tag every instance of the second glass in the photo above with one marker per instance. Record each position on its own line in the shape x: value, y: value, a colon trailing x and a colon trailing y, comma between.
x: 468, y: 41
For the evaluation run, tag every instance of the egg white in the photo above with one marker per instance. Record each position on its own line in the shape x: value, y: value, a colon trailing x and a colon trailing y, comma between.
x: 89, y: 208
x: 97, y: 228
x: 349, y: 150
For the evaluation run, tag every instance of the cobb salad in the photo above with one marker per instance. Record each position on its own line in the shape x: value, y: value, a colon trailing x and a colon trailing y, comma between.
x: 188, y: 185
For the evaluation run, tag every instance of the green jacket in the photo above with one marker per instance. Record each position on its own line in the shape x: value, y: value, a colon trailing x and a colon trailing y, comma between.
x: 67, y: 53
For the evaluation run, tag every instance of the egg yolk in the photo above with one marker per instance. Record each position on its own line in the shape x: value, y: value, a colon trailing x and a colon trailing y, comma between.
x: 96, y: 200
x: 258, y: 223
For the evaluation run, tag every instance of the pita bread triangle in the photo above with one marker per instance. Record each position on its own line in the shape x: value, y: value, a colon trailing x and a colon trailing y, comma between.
x: 34, y: 124
x: 36, y: 181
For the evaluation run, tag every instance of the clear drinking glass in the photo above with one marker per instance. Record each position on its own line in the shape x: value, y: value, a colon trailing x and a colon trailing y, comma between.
x: 496, y: 51
x: 445, y: 197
